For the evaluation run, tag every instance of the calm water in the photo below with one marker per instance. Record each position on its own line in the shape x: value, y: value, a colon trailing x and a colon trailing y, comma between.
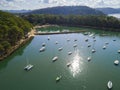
x: 81, y: 75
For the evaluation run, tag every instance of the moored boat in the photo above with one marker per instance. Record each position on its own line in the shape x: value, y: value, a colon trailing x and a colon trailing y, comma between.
x: 109, y: 85
x: 68, y: 64
x: 42, y: 49
x: 69, y: 53
x: 28, y: 67
x: 116, y: 62
x: 89, y: 58
x: 58, y: 78
x: 55, y: 58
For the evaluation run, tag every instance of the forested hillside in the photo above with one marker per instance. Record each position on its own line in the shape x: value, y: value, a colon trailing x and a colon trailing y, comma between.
x: 12, y: 29
x: 102, y: 22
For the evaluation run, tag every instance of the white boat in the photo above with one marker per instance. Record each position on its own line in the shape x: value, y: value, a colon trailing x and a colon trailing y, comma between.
x: 48, y: 38
x: 104, y: 47
x: 106, y: 43
x: 94, y: 40
x: 93, y: 51
x: 118, y: 51
x: 86, y: 33
x: 58, y: 78
x: 89, y: 45
x: 116, y: 62
x: 75, y: 40
x: 69, y: 53
x: 68, y: 39
x: 86, y: 40
x: 28, y: 67
x: 60, y: 49
x: 43, y: 44
x: 56, y: 42
x: 89, y: 58
x: 75, y: 45
x: 55, y: 58
x: 68, y: 64
x: 109, y: 84
x: 42, y: 49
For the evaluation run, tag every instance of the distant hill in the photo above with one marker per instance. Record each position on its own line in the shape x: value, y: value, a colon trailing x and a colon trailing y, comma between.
x: 68, y: 10
x: 109, y: 10
x: 17, y: 11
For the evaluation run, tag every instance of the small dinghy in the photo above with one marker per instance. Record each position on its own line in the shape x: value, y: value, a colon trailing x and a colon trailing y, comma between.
x: 75, y: 45
x: 68, y: 64
x: 43, y: 44
x: 109, y: 84
x: 58, y: 78
x: 118, y: 51
x: 89, y: 59
x: 69, y: 53
x: 104, y: 47
x: 42, y: 49
x: 116, y: 62
x: 93, y: 51
x: 60, y: 49
x: 55, y: 58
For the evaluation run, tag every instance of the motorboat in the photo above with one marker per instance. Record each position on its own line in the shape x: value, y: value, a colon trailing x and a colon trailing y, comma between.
x: 43, y: 44
x: 55, y: 58
x: 69, y: 53
x: 104, y: 47
x: 86, y: 40
x: 75, y: 45
x: 93, y: 51
x: 68, y: 39
x: 60, y: 49
x: 116, y: 62
x: 68, y: 64
x: 56, y: 42
x: 86, y: 33
x: 28, y: 67
x: 75, y: 40
x: 109, y: 85
x: 89, y: 45
x: 48, y: 38
x: 118, y: 51
x: 42, y: 49
x: 94, y: 40
x: 58, y: 78
x: 89, y: 58
x: 106, y: 43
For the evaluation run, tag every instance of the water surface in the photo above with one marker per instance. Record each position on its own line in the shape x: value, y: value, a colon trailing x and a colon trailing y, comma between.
x: 81, y: 75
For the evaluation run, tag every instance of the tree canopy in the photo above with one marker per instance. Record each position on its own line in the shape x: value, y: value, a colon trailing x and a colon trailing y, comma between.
x: 101, y: 21
x: 12, y: 29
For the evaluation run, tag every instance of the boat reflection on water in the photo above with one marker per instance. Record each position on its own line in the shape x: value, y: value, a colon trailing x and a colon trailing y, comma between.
x: 76, y: 64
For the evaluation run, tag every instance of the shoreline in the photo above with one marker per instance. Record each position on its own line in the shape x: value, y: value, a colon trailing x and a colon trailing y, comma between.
x: 18, y: 45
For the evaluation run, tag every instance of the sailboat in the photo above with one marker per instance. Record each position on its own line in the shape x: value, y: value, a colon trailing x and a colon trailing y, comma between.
x: 28, y: 67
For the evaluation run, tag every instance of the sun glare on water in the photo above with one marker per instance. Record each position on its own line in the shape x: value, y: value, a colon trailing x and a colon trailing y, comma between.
x: 76, y: 64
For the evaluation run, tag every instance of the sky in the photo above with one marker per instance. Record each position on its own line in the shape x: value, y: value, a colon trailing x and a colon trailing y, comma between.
x: 38, y: 4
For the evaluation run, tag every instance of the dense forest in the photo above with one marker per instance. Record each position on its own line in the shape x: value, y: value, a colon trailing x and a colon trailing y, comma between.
x: 12, y: 29
x: 102, y: 21
x: 67, y: 10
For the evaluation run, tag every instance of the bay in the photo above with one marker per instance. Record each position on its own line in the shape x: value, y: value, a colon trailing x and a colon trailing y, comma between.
x: 80, y: 75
